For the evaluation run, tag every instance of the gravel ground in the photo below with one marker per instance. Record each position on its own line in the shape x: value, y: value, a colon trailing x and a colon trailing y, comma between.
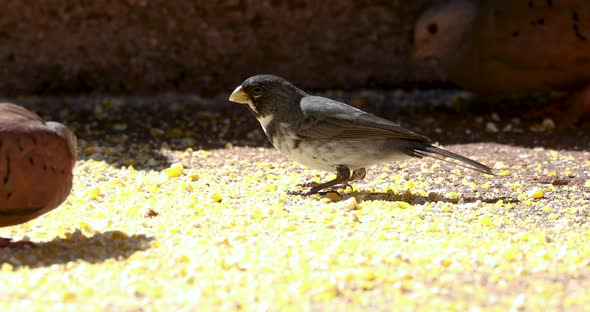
x: 180, y: 203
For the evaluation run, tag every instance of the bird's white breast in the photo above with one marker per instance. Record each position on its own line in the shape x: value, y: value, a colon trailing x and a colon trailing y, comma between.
x: 264, y: 122
x: 329, y: 154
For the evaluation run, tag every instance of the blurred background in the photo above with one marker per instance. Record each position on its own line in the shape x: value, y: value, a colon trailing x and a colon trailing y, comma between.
x: 140, y: 47
x: 131, y: 76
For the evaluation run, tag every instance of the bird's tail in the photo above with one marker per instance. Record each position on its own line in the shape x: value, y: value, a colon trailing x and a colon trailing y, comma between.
x: 441, y: 154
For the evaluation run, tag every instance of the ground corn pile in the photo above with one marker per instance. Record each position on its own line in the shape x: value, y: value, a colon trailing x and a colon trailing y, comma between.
x: 213, y: 229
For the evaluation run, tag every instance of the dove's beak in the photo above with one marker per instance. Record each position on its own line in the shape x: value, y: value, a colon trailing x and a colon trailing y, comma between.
x: 418, y: 56
x: 239, y: 96
x: 410, y: 61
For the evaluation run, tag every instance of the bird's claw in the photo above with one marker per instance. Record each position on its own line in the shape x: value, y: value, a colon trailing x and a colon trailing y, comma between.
x: 301, y: 193
x: 308, y: 184
x: 309, y: 192
x: 342, y: 186
x: 346, y: 185
x: 320, y: 192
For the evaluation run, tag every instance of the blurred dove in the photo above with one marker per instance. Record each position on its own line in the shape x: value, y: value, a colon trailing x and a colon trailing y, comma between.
x: 511, y: 47
x: 36, y: 162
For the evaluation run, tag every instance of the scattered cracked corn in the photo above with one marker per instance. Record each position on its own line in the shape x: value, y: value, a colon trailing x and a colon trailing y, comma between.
x: 452, y: 195
x: 403, y: 204
x: 547, y: 125
x: 536, y: 193
x: 491, y: 127
x: 216, y: 197
x: 485, y: 220
x: 333, y: 196
x: 500, y: 165
x: 350, y: 204
x: 175, y: 170
x: 222, y: 241
x: 568, y: 172
x: 155, y: 132
x: 93, y: 193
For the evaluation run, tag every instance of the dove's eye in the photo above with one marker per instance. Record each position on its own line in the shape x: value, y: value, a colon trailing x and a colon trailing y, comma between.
x: 433, y: 29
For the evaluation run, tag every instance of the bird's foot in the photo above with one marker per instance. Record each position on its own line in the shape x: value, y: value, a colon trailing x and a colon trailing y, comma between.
x: 342, y: 178
x: 320, y: 192
x: 314, y: 184
x: 8, y: 243
x: 302, y: 193
x: 310, y: 192
x: 309, y: 184
x: 343, y: 186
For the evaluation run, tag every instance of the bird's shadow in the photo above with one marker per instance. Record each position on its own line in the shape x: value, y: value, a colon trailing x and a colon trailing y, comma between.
x: 418, y: 200
x: 76, y: 246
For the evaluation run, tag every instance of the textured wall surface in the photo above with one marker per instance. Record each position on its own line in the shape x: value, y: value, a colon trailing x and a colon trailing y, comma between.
x: 202, y: 46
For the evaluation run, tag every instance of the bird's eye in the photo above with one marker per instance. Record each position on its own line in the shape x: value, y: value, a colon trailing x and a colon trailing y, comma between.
x: 257, y: 90
x: 433, y: 29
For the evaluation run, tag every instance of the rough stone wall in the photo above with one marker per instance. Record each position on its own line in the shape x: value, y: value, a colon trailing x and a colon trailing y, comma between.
x: 201, y: 46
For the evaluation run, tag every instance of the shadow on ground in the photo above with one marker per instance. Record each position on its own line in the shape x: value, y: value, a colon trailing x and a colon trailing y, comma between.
x: 76, y: 246
x: 419, y: 200
x: 139, y: 131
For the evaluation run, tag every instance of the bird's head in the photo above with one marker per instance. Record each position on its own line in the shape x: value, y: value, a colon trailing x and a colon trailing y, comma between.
x: 440, y: 31
x: 267, y: 95
x: 68, y: 135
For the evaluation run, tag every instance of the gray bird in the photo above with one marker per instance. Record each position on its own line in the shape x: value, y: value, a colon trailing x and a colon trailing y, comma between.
x: 328, y: 135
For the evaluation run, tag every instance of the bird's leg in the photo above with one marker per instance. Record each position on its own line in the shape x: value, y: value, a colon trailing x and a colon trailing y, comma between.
x: 356, y: 175
x: 567, y: 110
x: 7, y: 242
x: 342, y: 175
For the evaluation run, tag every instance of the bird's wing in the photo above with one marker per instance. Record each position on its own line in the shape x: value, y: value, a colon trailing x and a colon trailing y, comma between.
x: 535, y: 35
x: 12, y: 114
x: 326, y: 119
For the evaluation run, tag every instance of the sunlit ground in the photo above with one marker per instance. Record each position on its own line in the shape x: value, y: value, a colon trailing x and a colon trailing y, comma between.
x: 159, y: 221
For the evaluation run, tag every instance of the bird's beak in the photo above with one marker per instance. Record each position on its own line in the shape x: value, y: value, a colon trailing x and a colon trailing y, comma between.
x: 418, y: 56
x: 239, y: 96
